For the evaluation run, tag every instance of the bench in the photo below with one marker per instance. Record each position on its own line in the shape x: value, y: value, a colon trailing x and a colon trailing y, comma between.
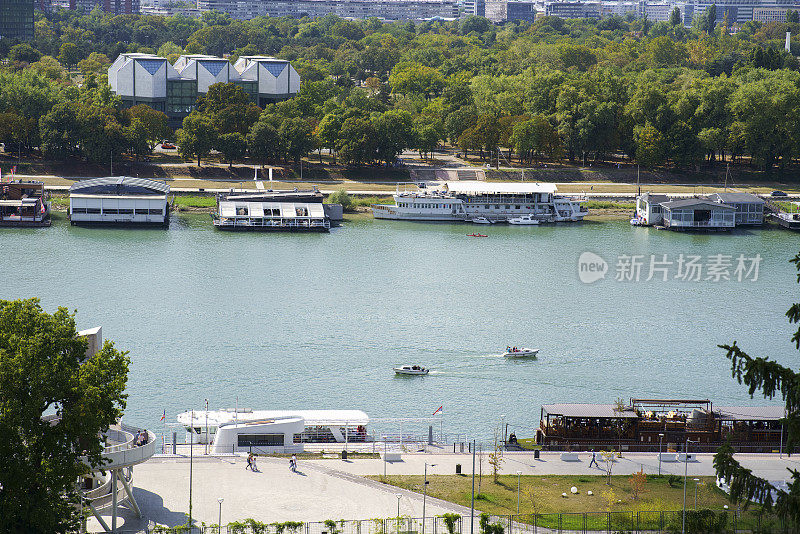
x: 391, y: 457
x: 668, y: 457
x: 570, y: 457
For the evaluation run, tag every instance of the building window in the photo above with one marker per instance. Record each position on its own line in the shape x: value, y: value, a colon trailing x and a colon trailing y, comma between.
x: 260, y: 440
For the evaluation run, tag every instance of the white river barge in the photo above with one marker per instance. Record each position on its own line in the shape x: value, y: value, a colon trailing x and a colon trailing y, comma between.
x: 468, y: 200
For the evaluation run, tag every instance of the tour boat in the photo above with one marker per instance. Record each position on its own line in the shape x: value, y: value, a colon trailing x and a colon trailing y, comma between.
x: 411, y: 370
x: 523, y: 220
x: 521, y: 353
x: 481, y: 220
x: 471, y: 200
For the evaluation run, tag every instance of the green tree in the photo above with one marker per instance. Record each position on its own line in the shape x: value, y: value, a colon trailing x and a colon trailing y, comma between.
x: 59, y: 131
x: 650, y: 149
x: 49, y: 67
x: 44, y: 372
x: 24, y: 52
x: 675, y: 18
x: 262, y: 141
x: 155, y: 123
x: 394, y: 130
x: 96, y: 63
x: 232, y: 146
x: 357, y: 141
x: 772, y: 380
x: 327, y: 131
x: 296, y: 137
x: 69, y: 55
x: 136, y: 138
x: 415, y: 78
x: 792, y: 16
x: 196, y: 137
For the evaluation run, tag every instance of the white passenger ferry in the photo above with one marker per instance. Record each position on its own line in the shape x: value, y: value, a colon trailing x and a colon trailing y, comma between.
x: 468, y: 200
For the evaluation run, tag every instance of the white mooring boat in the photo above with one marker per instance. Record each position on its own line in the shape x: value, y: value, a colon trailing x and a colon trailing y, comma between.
x: 411, y: 370
x: 523, y: 220
x: 520, y: 353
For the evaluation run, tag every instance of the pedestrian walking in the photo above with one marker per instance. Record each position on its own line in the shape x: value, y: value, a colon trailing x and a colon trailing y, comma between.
x: 250, y: 462
x: 594, y: 460
x: 294, y: 463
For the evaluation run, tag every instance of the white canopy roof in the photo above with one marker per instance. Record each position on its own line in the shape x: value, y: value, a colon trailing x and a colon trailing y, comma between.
x: 311, y: 417
x: 227, y: 208
x: 475, y: 187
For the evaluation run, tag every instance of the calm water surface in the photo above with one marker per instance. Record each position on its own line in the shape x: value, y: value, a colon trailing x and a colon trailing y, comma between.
x: 317, y: 321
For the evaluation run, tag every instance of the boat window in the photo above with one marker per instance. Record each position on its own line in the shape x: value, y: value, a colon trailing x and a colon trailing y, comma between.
x: 107, y: 211
x: 301, y: 212
x: 508, y: 206
x: 260, y: 440
x: 241, y: 210
x: 92, y: 210
x: 126, y: 212
x: 156, y: 212
x: 517, y: 206
x: 141, y: 212
x: 78, y: 210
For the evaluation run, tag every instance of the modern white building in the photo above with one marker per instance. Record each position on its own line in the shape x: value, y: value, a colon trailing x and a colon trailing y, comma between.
x: 119, y: 200
x: 350, y: 9
x: 174, y: 89
x: 697, y: 214
x: 268, y: 431
x: 648, y: 208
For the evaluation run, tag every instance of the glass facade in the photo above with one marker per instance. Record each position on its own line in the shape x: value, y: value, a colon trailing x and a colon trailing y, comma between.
x: 16, y: 19
x: 181, y: 97
x: 251, y: 88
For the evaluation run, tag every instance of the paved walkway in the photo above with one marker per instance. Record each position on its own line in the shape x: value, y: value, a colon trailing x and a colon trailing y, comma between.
x: 336, y: 489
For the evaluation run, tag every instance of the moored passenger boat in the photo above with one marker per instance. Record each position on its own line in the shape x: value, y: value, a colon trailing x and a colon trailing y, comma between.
x: 24, y: 204
x: 476, y: 201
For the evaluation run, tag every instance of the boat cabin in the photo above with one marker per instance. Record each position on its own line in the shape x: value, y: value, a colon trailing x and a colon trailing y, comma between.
x: 24, y: 204
x: 119, y: 200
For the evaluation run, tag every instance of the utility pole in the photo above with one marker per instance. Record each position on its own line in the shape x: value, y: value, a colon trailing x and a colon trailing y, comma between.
x: 191, y: 461
x: 472, y: 501
x: 112, y: 162
x: 685, y: 473
x: 660, y: 442
x: 425, y: 494
x: 206, y: 426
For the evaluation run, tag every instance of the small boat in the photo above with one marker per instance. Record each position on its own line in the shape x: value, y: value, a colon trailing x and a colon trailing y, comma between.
x: 481, y: 220
x: 477, y: 235
x: 523, y: 220
x: 636, y: 221
x: 411, y: 370
x: 520, y: 353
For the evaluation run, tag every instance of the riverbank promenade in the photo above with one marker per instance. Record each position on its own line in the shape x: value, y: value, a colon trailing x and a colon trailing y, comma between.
x: 337, y: 489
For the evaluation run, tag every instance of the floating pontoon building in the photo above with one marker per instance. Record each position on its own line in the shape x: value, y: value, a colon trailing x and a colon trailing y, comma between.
x: 653, y: 424
x: 173, y: 89
x: 119, y: 200
x: 275, y: 210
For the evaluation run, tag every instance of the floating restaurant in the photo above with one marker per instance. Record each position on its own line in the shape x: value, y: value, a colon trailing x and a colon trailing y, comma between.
x: 119, y: 200
x: 24, y: 204
x: 718, y: 211
x: 650, y: 424
x: 298, y: 211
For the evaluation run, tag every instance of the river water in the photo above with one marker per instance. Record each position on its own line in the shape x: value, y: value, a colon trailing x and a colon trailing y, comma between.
x: 317, y: 321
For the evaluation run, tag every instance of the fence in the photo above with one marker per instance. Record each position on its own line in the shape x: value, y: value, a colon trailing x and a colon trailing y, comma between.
x: 649, y: 522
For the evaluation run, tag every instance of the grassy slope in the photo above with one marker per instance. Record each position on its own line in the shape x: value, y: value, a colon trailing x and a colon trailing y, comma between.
x: 542, y: 494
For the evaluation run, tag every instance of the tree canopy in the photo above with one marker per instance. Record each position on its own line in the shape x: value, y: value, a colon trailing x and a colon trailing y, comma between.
x: 770, y: 379
x: 54, y: 403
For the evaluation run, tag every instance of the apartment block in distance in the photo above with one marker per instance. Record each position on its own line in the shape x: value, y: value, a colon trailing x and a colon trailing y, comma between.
x: 16, y: 19
x: 351, y: 9
x: 174, y: 89
x: 117, y: 7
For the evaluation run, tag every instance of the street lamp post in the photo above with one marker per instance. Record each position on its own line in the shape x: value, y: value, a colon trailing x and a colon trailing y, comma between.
x: 685, y: 475
x: 219, y: 524
x: 696, y: 482
x: 191, y: 461
x: 424, y: 494
x: 518, y: 475
x: 398, y: 495
x: 660, y: 443
x: 206, y: 426
x: 472, y: 500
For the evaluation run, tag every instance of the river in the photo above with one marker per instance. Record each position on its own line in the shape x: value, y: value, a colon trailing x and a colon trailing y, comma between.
x: 318, y: 320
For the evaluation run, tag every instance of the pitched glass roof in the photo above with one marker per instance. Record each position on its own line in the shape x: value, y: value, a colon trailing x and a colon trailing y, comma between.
x: 275, y: 68
x: 214, y: 67
x: 151, y: 65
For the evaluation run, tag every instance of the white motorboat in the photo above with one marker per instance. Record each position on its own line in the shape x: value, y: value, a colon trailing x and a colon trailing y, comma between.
x: 636, y: 221
x: 411, y: 370
x: 520, y: 353
x: 481, y: 220
x: 523, y: 220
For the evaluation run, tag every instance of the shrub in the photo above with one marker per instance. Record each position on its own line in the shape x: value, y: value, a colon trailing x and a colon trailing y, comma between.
x: 342, y: 197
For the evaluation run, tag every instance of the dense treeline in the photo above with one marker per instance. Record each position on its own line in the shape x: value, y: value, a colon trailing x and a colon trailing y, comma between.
x: 583, y: 90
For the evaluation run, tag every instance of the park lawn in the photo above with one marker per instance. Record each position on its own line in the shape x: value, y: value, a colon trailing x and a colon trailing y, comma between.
x: 194, y: 201
x: 542, y: 494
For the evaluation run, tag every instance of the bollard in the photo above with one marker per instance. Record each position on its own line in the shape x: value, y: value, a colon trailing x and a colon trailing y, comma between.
x: 458, y: 469
x: 174, y: 443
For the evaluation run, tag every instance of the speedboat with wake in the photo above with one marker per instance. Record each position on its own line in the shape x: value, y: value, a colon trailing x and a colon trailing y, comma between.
x: 411, y: 370
x: 514, y: 352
